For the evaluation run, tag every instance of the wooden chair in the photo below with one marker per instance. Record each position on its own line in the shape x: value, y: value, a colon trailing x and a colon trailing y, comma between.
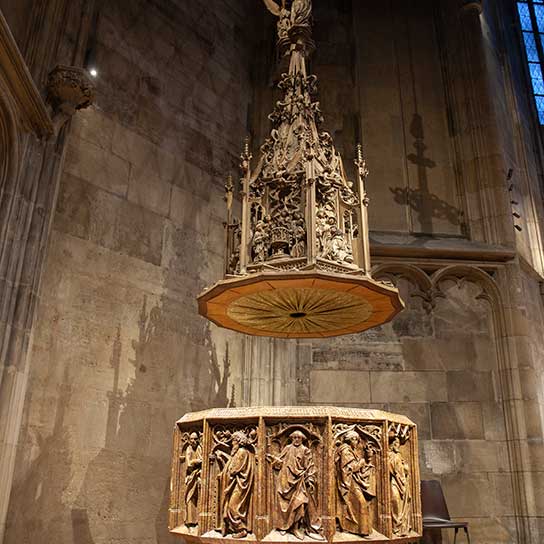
x: 435, y: 511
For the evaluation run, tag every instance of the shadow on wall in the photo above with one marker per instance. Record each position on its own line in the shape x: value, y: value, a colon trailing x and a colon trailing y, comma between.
x: 427, y: 205
x: 127, y: 483
x: 124, y: 493
x: 43, y: 489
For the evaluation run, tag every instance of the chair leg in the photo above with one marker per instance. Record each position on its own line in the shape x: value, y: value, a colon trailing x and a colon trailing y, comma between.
x: 466, y: 533
x: 455, y: 537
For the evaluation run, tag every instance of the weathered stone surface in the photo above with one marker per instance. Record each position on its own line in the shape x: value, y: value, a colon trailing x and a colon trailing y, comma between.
x: 98, y: 166
x: 462, y: 421
x: 118, y: 351
x: 418, y: 412
x: 109, y: 221
x: 408, y: 386
x: 327, y: 386
x: 470, y: 386
x: 437, y: 458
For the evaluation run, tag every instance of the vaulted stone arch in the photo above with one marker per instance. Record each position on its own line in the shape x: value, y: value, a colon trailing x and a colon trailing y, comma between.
x: 508, y: 379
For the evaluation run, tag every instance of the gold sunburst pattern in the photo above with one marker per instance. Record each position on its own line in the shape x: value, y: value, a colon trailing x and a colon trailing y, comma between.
x: 295, y: 311
x: 300, y: 304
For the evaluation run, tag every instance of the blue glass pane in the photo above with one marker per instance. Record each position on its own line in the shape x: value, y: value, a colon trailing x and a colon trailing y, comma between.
x: 540, y: 108
x: 536, y: 72
x: 536, y: 77
x: 530, y: 46
x: 524, y: 16
x: 539, y: 12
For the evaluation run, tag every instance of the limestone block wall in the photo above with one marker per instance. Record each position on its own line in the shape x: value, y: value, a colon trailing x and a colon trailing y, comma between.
x: 403, y: 109
x: 437, y: 363
x: 119, y: 351
x: 520, y: 136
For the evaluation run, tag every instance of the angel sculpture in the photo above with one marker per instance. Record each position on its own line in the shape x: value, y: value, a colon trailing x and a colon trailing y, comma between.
x: 298, y: 16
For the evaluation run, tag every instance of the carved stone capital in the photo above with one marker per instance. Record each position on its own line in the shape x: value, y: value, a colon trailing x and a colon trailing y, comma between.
x: 69, y: 89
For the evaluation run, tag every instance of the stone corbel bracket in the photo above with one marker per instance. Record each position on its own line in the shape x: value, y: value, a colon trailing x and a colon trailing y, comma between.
x: 69, y: 89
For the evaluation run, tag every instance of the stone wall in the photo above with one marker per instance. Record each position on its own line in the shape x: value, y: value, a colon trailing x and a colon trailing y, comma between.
x: 404, y: 119
x: 119, y: 351
x: 436, y: 363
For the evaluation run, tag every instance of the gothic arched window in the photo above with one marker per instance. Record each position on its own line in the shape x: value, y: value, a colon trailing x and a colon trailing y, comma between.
x: 531, y: 16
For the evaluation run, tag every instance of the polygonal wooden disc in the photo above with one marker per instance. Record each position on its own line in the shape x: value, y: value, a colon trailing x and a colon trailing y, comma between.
x: 300, y: 304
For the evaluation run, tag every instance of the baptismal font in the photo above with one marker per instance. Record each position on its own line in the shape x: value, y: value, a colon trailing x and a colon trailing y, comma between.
x: 297, y: 266
x: 284, y: 474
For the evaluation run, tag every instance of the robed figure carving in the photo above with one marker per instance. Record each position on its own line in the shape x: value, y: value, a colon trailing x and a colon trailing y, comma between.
x: 236, y: 486
x: 401, y: 496
x: 193, y: 460
x: 296, y: 489
x: 294, y: 21
x: 356, y: 481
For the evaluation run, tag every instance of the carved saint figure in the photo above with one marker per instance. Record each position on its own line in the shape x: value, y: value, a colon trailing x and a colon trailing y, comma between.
x: 299, y: 15
x: 260, y: 242
x: 297, y: 488
x: 299, y: 236
x: 339, y: 247
x: 236, y: 486
x: 356, y: 480
x: 193, y: 458
x: 323, y: 231
x: 401, y: 497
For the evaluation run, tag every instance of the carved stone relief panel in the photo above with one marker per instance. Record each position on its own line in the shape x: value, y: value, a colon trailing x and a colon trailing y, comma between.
x: 232, y: 479
x: 404, y: 495
x: 295, y: 467
x: 284, y: 474
x: 358, y: 475
x: 186, y: 482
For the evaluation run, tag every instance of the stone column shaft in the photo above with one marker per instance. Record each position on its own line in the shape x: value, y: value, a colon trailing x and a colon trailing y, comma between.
x: 33, y: 145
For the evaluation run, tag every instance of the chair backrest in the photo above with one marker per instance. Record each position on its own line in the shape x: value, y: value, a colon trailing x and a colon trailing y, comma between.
x: 433, y: 503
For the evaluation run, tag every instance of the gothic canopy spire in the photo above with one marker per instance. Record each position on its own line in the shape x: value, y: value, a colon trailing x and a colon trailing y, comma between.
x: 298, y: 262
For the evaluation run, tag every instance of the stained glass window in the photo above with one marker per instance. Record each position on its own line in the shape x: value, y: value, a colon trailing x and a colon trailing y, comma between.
x: 531, y: 18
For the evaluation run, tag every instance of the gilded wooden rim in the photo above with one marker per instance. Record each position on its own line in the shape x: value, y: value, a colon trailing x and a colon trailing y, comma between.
x: 300, y: 305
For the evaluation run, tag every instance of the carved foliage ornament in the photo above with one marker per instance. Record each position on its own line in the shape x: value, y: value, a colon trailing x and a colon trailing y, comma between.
x: 351, y: 474
x: 69, y: 89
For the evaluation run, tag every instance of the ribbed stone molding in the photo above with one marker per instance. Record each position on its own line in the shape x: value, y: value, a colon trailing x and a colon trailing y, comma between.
x: 32, y: 149
x: 283, y: 474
